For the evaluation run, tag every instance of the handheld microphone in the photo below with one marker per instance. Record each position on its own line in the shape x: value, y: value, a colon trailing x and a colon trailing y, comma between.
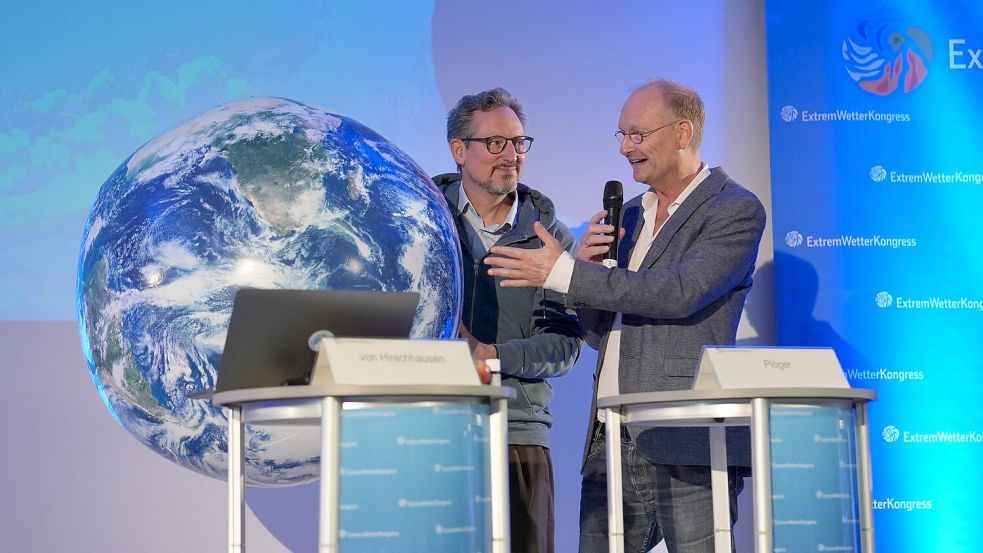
x: 612, y: 201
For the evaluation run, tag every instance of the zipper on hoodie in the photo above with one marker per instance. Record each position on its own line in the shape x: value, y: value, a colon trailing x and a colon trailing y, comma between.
x: 476, y: 265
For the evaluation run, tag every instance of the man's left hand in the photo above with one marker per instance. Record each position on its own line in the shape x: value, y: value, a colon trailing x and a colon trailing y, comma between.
x: 520, y: 267
x: 479, y: 350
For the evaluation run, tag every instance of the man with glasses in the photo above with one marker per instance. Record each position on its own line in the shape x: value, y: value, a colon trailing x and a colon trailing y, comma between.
x: 684, y: 270
x: 528, y: 330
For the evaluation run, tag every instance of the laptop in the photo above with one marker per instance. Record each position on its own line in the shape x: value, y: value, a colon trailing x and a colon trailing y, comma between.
x: 267, y: 341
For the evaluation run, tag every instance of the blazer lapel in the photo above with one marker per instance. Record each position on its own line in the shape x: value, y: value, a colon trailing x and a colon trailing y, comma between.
x: 632, y: 222
x: 706, y: 190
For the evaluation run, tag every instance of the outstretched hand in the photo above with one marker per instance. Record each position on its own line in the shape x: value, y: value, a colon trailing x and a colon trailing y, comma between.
x: 519, y: 267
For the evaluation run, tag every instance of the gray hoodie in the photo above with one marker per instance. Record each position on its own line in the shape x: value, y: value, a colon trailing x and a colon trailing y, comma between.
x: 536, y: 336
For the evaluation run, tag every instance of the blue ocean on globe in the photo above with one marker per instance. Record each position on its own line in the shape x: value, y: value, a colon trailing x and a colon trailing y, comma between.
x: 266, y: 193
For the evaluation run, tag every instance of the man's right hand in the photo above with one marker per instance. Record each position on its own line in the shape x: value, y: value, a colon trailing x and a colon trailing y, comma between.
x: 597, y: 239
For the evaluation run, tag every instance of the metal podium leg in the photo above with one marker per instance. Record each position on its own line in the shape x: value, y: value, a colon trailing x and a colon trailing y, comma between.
x: 865, y: 482
x: 237, y: 484
x: 720, y: 489
x: 616, y: 517
x: 330, y: 480
x: 498, y: 450
x: 761, y: 465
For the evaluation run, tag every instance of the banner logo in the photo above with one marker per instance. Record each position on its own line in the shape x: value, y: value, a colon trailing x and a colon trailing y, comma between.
x: 890, y: 434
x: 402, y: 440
x: 452, y: 468
x: 881, y: 55
x: 789, y: 114
x: 794, y: 466
x: 832, y: 495
x: 374, y: 534
x: 454, y: 530
x: 415, y: 504
x: 884, y: 374
x: 793, y: 239
x: 796, y: 522
x: 892, y: 504
x: 878, y: 173
x: 958, y: 54
x: 885, y: 300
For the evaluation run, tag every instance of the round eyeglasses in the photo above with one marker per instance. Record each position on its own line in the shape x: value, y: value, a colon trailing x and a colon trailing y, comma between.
x: 638, y: 136
x: 496, y: 144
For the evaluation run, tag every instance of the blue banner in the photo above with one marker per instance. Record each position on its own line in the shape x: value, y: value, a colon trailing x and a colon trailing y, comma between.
x: 875, y: 119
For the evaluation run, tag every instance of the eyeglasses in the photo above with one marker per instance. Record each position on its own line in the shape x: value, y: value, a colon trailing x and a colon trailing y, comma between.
x: 638, y: 136
x: 496, y: 144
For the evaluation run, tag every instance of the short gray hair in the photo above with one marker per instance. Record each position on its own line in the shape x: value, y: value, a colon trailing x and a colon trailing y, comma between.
x: 460, y: 120
x: 683, y: 102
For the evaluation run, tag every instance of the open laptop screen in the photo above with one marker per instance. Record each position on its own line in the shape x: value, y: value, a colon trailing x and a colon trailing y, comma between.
x: 267, y: 341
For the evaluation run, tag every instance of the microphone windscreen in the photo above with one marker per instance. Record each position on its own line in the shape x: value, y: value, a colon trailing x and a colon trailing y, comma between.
x: 613, y: 192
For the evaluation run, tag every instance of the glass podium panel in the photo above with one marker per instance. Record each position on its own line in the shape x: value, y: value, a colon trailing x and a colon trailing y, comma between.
x: 814, y: 478
x: 415, y: 478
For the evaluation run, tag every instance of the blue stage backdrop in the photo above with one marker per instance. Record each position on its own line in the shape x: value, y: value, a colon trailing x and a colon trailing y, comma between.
x: 875, y: 119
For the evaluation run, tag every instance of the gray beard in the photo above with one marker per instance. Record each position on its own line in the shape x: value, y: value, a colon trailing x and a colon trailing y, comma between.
x: 498, y: 188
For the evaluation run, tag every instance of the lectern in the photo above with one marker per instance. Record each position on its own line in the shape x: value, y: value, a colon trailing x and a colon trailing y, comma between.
x: 300, y: 357
x: 322, y: 405
x: 810, y: 450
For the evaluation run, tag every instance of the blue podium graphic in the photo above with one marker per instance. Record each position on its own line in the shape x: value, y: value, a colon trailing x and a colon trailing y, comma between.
x: 813, y: 478
x: 415, y: 479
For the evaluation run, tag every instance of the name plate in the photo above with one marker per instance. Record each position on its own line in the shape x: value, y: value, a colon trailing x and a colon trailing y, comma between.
x: 392, y: 361
x: 762, y: 367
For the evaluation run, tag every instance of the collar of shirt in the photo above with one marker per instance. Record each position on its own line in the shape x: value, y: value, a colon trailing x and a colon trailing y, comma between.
x: 650, y: 200
x: 472, y: 217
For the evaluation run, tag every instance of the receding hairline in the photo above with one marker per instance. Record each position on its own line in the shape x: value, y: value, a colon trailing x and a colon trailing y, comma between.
x: 663, y: 87
x: 671, y: 97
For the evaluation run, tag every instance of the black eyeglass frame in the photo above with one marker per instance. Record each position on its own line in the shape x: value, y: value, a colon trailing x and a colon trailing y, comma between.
x: 515, y: 140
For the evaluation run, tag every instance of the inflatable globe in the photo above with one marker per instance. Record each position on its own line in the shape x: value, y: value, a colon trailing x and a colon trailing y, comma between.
x: 266, y: 193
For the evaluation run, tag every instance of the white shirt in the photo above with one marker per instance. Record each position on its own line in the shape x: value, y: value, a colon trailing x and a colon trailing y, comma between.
x: 562, y: 272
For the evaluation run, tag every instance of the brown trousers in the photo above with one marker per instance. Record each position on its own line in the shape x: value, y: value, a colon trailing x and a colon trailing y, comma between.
x: 531, y: 498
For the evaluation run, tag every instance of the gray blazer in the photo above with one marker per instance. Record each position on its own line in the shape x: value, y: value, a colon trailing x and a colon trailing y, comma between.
x: 688, y: 292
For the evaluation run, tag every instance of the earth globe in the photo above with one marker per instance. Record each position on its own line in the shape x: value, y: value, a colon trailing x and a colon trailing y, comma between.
x: 265, y: 193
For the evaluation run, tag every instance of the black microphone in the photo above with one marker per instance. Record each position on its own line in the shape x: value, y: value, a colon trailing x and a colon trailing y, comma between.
x: 612, y: 201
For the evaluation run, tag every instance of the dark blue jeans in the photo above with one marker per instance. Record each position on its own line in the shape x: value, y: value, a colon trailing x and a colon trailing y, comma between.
x: 671, y: 502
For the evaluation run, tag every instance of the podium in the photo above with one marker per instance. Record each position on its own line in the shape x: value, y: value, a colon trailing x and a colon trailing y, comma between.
x: 322, y: 405
x: 757, y: 408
